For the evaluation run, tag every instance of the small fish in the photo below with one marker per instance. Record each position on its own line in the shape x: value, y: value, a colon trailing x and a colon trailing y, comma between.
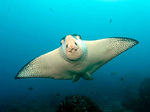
x: 51, y: 10
x: 30, y: 88
x: 34, y: 101
x: 122, y: 79
x: 113, y: 73
x: 110, y: 20
x: 93, y: 92
x: 58, y: 94
x: 8, y: 8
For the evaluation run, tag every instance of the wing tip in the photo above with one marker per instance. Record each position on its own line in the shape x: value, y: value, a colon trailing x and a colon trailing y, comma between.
x: 126, y: 38
x: 17, y: 77
x: 135, y: 41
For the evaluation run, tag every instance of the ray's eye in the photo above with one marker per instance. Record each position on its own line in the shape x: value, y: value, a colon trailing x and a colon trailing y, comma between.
x: 67, y: 46
x: 75, y: 43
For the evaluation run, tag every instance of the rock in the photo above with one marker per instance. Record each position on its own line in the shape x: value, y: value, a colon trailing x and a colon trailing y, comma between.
x: 77, y: 103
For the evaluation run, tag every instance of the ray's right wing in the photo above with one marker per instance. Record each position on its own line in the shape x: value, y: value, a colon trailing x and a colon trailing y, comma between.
x: 103, y: 50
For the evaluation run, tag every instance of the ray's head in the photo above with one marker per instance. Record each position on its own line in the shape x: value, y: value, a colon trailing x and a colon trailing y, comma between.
x: 73, y: 47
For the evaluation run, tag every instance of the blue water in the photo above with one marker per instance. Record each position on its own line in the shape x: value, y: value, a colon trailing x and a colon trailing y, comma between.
x: 29, y: 28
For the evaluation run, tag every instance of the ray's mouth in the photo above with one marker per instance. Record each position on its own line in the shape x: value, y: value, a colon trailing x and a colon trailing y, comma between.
x: 73, y: 49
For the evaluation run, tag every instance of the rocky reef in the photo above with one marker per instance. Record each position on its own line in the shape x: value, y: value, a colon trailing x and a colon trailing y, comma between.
x: 142, y: 102
x: 144, y: 92
x: 78, y: 103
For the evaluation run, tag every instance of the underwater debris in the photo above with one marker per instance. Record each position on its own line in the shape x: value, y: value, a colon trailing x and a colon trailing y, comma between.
x: 77, y: 103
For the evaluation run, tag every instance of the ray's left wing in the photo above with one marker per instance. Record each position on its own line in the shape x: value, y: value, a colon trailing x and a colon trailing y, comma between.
x: 49, y: 65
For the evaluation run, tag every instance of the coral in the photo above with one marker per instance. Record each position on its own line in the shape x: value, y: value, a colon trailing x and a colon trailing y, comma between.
x: 77, y: 103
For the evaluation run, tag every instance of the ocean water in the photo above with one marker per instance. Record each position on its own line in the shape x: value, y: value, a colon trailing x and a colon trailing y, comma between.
x: 30, y: 28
